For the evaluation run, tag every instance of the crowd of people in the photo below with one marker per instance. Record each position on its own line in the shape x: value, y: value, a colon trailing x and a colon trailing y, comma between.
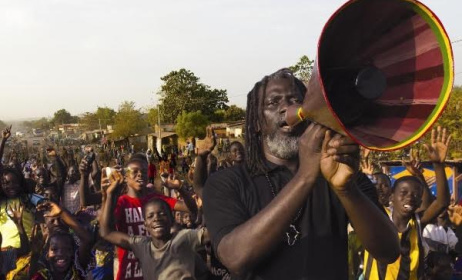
x: 290, y: 203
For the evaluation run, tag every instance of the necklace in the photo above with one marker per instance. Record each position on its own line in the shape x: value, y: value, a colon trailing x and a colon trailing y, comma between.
x: 292, y: 233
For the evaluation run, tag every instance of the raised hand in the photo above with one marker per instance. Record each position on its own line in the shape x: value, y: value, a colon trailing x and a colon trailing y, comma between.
x: 15, y: 212
x: 53, y: 209
x: 37, y: 239
x: 212, y: 141
x: 84, y: 168
x: 367, y: 167
x: 339, y: 160
x: 6, y: 133
x: 113, y: 182
x: 438, y: 148
x: 173, y: 183
x: 455, y: 214
x: 413, y: 165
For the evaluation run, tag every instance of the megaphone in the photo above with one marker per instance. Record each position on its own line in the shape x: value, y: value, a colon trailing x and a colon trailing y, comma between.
x: 383, y: 74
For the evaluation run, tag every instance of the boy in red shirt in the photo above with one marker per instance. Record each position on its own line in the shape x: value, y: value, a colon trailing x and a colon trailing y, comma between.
x: 128, y: 214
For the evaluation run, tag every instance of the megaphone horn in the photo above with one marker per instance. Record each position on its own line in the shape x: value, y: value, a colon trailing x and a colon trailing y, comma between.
x: 383, y: 73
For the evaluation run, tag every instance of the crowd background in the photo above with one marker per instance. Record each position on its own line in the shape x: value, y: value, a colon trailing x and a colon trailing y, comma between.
x: 54, y: 200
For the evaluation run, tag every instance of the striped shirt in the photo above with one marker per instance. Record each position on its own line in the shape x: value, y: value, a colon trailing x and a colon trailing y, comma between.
x: 408, y: 266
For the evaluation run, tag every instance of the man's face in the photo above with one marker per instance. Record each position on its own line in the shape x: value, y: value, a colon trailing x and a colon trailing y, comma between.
x: 237, y: 153
x: 280, y: 139
x: 382, y: 184
x: 157, y: 220
x: 41, y: 177
x: 178, y: 217
x: 407, y: 197
x: 10, y: 185
x: 73, y: 174
x: 54, y: 224
x: 60, y: 253
x: 137, y: 175
x: 51, y: 194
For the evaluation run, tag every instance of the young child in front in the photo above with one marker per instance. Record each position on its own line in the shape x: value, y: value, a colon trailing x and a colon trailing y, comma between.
x: 162, y: 255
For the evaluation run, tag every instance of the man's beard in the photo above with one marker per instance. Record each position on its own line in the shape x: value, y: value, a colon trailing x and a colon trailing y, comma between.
x: 282, y: 146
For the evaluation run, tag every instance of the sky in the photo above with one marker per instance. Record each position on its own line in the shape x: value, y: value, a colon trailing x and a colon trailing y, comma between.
x: 79, y: 55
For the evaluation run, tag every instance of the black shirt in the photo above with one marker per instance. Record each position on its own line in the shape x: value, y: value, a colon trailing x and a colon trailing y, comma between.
x: 233, y: 196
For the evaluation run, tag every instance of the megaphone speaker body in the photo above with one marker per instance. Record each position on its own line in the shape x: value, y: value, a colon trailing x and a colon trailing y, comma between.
x: 383, y: 73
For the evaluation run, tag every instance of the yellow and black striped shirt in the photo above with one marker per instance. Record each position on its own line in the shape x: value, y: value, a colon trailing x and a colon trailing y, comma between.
x: 409, y: 265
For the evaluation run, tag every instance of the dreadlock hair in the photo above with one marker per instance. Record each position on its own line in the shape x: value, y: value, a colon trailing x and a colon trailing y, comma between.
x: 255, y: 159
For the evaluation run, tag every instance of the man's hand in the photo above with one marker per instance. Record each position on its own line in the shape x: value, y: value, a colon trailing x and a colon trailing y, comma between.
x: 53, y: 209
x: 367, y: 167
x: 37, y: 239
x: 211, y: 141
x: 339, y: 160
x: 413, y: 165
x: 310, y: 148
x: 438, y: 148
x: 173, y: 183
x: 6, y: 133
x: 113, y: 183
x: 455, y: 214
x: 15, y: 213
x: 84, y: 168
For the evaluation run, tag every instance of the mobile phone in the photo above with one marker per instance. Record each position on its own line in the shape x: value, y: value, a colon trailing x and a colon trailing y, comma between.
x: 90, y: 157
x: 108, y: 171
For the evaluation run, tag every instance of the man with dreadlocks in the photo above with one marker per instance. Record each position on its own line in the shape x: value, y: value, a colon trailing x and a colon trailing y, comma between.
x: 284, y: 214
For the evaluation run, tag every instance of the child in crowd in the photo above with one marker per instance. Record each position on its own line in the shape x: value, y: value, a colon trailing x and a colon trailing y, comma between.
x: 63, y: 258
x: 162, y: 255
x: 127, y: 210
x: 405, y: 199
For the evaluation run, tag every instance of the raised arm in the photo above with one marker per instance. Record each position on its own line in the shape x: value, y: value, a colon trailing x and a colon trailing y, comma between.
x: 106, y: 231
x: 375, y: 230
x: 86, y: 240
x: 159, y: 158
x: 58, y: 170
x: 16, y: 211
x: 96, y: 175
x: 188, y: 204
x: 413, y: 166
x: 6, y: 133
x: 86, y: 197
x: 437, y: 152
x: 200, y: 170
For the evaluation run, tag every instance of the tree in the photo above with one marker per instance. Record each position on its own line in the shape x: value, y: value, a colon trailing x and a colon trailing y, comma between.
x: 452, y: 120
x: 88, y: 121
x: 182, y: 91
x: 234, y: 113
x: 153, y: 116
x: 128, y: 120
x: 191, y: 124
x: 63, y: 117
x: 105, y: 116
x: 303, y: 69
x: 99, y: 119
x: 42, y: 123
x: 218, y: 116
